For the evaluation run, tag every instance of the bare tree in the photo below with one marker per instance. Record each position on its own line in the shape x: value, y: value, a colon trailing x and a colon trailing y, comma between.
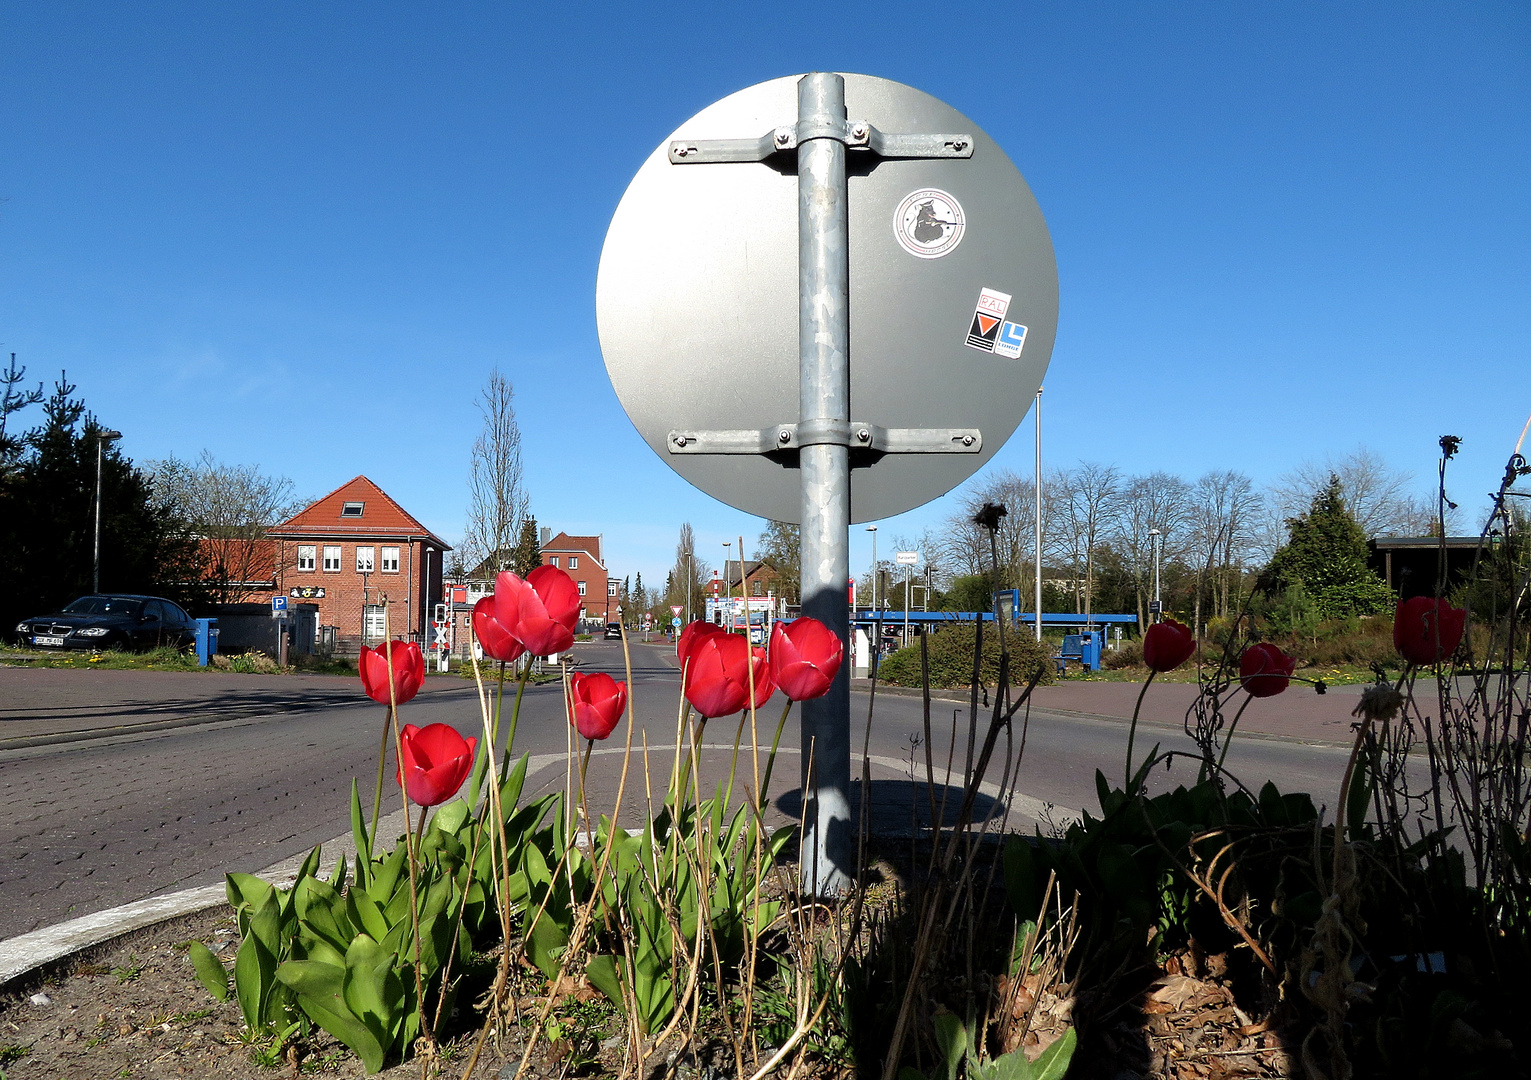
x: 963, y: 547
x: 781, y: 545
x: 1224, y: 508
x: 1377, y: 495
x: 686, y: 584
x: 1159, y: 501
x: 1084, y: 504
x: 497, y: 495
x: 228, y: 508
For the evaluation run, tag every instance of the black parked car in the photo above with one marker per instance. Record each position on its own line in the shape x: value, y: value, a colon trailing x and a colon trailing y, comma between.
x: 111, y: 622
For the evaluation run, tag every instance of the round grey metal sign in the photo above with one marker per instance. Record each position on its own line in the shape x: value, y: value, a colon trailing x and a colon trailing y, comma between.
x: 953, y: 300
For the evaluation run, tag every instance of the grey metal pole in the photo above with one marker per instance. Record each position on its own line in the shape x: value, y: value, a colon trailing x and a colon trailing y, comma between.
x: 1158, y: 551
x: 1039, y: 514
x: 95, y: 564
x: 828, y: 848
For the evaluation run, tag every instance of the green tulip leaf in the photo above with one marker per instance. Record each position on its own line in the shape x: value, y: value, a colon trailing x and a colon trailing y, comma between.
x: 603, y: 975
x: 366, y: 916
x: 320, y: 988
x: 1053, y: 1062
x: 254, y: 970
x: 450, y: 818
x: 359, y: 834
x: 210, y: 970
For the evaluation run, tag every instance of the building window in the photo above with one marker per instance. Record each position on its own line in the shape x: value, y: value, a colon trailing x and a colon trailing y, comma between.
x: 611, y: 588
x: 555, y: 560
x: 351, y: 509
x: 374, y: 625
x: 306, y: 554
x: 581, y: 588
x: 758, y: 588
x: 573, y: 562
x: 332, y: 558
x: 364, y: 560
x: 390, y: 560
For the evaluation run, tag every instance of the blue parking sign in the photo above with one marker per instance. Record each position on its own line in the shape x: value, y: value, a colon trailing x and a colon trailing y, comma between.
x: 278, y: 603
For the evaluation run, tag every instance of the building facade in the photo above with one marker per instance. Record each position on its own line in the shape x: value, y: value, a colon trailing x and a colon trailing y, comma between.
x: 352, y: 551
x: 580, y: 557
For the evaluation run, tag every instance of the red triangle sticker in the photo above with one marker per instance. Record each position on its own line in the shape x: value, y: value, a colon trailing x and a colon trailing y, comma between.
x: 986, y: 323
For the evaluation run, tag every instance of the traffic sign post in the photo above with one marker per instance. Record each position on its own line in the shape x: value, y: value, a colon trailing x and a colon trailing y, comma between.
x: 952, y: 314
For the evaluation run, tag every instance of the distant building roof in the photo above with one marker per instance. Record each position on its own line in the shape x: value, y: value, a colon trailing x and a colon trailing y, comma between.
x: 358, y: 508
x: 588, y: 545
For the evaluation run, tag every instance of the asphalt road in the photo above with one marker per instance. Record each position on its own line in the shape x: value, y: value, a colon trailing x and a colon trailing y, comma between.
x: 114, y: 814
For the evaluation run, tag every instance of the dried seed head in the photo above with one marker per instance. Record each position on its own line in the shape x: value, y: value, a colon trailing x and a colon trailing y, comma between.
x: 1379, y: 703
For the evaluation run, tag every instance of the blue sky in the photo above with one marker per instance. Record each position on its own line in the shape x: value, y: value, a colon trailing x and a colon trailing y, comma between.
x: 301, y: 235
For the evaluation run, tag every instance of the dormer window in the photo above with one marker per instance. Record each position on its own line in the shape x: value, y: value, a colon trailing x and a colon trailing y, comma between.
x: 351, y: 509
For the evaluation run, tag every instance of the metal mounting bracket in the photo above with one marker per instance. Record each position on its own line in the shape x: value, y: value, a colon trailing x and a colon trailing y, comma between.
x: 857, y: 435
x: 855, y: 136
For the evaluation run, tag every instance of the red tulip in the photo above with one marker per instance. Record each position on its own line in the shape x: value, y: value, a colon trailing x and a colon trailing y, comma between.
x: 695, y: 631
x: 805, y: 654
x: 1167, y: 645
x: 598, y: 703
x: 765, y: 682
x: 718, y: 674
x: 539, y: 612
x: 408, y: 671
x: 1419, y: 621
x: 435, y: 761
x: 496, y: 640
x: 1265, y: 670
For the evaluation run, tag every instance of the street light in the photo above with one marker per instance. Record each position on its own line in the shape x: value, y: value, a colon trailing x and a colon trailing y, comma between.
x: 104, y: 436
x: 873, y: 530
x: 728, y: 589
x: 1156, y: 538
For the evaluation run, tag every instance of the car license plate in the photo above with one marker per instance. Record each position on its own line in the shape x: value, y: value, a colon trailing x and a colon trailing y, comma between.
x: 45, y: 639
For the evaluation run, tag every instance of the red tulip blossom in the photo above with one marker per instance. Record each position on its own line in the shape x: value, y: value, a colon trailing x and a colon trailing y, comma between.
x: 435, y: 762
x: 539, y: 612
x: 1265, y: 670
x: 493, y: 637
x: 598, y: 703
x: 408, y: 671
x: 805, y: 654
x: 694, y: 632
x: 1167, y: 645
x: 1426, y: 629
x: 720, y: 670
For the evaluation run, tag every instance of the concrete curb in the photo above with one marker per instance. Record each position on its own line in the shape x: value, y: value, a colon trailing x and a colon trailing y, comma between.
x: 26, y: 953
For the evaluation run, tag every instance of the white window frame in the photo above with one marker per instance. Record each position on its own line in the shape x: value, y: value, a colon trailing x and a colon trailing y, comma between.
x: 307, y: 555
x: 611, y: 588
x: 389, y: 564
x: 573, y: 562
x: 366, y: 559
x: 581, y: 586
x: 346, y: 510
x: 554, y: 560
x: 333, y: 554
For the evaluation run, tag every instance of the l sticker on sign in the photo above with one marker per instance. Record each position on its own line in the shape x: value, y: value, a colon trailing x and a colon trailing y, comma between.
x: 987, y: 317
x: 1011, y: 337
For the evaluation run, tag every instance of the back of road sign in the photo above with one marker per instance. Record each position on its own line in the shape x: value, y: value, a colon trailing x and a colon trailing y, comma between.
x: 953, y: 299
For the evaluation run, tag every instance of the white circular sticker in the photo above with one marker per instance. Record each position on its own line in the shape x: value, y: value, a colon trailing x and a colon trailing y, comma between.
x: 929, y: 223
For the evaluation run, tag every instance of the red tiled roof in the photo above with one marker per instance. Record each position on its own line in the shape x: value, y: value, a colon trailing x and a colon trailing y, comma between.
x: 381, y: 516
x: 590, y: 545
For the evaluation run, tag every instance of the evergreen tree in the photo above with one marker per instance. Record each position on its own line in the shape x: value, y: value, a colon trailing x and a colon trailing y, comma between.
x: 1326, y: 553
x: 526, y: 556
x: 49, y: 500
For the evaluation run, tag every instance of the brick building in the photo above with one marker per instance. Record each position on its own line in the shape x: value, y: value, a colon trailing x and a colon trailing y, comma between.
x: 759, y: 578
x: 580, y: 557
x: 350, y: 550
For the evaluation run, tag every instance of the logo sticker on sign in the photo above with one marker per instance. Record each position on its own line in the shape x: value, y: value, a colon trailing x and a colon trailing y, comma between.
x: 1011, y: 337
x: 987, y: 317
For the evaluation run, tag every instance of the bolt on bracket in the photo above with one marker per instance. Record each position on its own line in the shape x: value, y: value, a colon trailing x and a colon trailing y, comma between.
x: 856, y: 135
x: 858, y: 435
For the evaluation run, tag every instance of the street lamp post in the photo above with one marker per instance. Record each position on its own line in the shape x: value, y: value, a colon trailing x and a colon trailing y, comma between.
x: 728, y: 589
x: 103, y: 436
x: 1156, y: 538
x: 873, y: 530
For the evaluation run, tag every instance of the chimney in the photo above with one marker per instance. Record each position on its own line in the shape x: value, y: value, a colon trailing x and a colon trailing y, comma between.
x: 547, y: 534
